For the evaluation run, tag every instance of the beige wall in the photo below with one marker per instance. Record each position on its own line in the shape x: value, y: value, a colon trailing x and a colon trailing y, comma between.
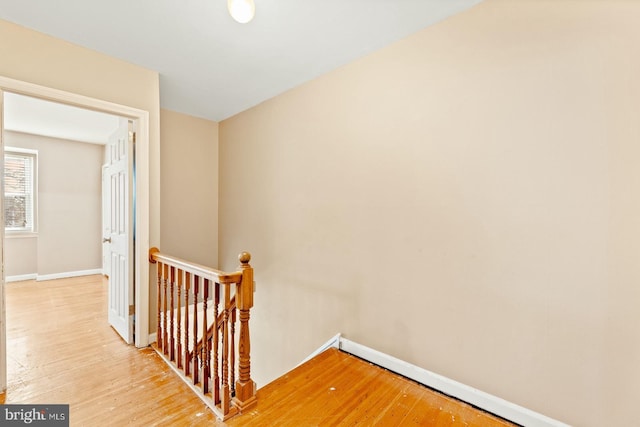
x: 20, y: 256
x: 69, y: 208
x: 189, y: 183
x: 465, y: 200
x: 37, y: 58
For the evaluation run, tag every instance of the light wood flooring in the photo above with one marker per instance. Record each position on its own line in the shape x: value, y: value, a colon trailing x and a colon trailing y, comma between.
x: 61, y: 350
x: 338, y: 389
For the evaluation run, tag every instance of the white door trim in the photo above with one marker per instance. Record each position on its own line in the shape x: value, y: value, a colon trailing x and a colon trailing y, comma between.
x: 141, y: 117
x: 3, y: 326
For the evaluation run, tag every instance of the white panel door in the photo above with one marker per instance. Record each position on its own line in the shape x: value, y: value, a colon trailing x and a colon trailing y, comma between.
x: 119, y: 230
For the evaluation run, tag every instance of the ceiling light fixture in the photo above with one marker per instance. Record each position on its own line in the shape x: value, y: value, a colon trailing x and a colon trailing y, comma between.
x: 242, y: 11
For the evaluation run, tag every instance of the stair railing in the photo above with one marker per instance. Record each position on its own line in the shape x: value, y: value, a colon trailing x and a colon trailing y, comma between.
x: 198, y: 309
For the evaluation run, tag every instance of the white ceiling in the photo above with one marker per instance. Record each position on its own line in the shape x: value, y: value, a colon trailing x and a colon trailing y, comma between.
x: 212, y: 67
x: 36, y: 116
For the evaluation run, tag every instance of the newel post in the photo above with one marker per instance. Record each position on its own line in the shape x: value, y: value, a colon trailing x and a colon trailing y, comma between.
x: 152, y: 260
x: 245, y: 386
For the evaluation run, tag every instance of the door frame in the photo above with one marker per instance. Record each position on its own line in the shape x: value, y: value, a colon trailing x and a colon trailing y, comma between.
x: 3, y: 317
x: 141, y: 234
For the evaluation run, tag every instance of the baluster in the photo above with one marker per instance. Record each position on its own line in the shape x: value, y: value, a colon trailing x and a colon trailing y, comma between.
x: 165, y: 342
x: 187, y: 354
x: 245, y: 386
x: 194, y: 353
x: 179, y: 334
x: 232, y: 361
x: 215, y: 338
x: 172, y: 345
x: 159, y: 308
x: 206, y: 375
x: 225, y: 403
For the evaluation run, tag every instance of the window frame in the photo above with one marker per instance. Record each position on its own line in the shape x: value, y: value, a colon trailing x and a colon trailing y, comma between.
x: 33, y: 156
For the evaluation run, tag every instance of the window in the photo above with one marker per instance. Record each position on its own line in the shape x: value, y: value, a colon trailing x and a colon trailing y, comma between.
x: 20, y: 168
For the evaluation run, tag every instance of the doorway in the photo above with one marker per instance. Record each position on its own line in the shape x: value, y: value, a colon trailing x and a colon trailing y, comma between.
x: 141, y: 188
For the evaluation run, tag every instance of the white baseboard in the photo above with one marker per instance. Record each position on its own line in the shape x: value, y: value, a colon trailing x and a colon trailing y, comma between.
x: 153, y: 338
x: 21, y: 277
x: 67, y: 274
x: 480, y: 399
x: 333, y: 342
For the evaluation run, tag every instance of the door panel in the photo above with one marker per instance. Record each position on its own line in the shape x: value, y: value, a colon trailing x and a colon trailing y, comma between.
x: 106, y: 223
x: 120, y: 228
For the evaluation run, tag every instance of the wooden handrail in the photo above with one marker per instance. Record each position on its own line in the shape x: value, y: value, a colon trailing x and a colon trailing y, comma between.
x: 201, y: 347
x: 196, y: 269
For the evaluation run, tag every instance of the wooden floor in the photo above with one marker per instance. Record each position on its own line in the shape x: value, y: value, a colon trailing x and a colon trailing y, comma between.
x: 338, y: 389
x: 61, y: 350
